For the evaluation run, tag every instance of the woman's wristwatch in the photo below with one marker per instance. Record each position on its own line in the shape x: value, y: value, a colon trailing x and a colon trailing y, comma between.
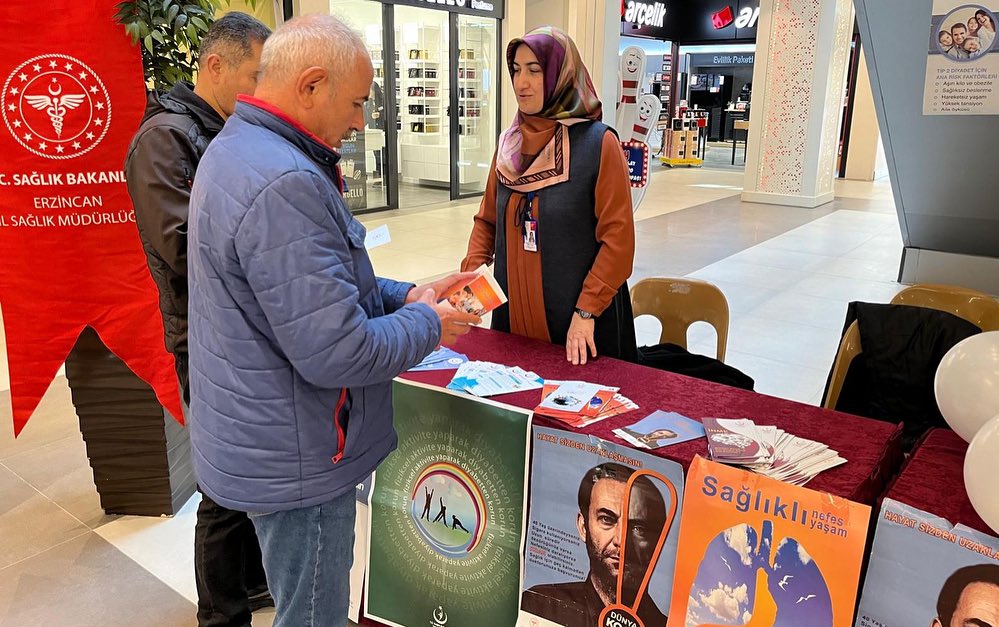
x: 585, y: 315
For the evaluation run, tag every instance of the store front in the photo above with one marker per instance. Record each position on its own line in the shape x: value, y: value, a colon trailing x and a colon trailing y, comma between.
x: 708, y: 53
x: 707, y: 64
x: 433, y: 113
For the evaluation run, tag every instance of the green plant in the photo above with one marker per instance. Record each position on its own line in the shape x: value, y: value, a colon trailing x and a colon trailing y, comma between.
x: 169, y: 34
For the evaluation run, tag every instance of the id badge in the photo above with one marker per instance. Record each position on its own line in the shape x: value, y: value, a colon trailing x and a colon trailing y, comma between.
x: 531, y: 236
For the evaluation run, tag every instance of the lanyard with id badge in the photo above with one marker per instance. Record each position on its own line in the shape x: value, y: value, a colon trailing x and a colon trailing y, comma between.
x: 528, y: 223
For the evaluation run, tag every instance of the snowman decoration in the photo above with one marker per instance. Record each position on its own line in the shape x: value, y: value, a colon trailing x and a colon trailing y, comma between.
x: 636, y: 117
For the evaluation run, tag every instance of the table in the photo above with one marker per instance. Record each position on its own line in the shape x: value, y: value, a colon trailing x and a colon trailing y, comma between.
x: 932, y: 480
x: 872, y: 448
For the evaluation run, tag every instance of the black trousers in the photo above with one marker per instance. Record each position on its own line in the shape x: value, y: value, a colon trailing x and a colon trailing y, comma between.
x: 227, y: 565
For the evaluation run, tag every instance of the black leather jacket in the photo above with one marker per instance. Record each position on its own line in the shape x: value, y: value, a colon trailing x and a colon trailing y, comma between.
x: 159, y: 167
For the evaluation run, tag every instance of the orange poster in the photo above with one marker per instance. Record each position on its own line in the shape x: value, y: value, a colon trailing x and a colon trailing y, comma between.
x: 756, y: 552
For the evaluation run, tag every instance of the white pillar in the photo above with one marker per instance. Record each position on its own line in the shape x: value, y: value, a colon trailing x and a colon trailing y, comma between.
x: 802, y: 51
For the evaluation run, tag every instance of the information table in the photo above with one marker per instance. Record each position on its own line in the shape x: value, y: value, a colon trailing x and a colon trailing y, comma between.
x: 933, y: 480
x: 871, y: 447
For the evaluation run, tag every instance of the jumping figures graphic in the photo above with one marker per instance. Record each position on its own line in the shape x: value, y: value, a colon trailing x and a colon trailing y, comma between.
x: 426, y: 506
x: 442, y: 515
x: 56, y: 105
x: 458, y: 496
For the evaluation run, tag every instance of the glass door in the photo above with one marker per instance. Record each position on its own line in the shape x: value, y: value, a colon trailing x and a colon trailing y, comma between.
x: 363, y: 155
x: 422, y: 45
x: 475, y: 100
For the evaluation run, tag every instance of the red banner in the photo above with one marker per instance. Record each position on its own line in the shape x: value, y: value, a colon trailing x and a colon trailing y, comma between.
x: 70, y: 254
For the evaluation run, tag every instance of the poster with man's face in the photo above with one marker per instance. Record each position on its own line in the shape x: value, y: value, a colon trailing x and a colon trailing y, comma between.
x: 926, y: 572
x: 601, y: 534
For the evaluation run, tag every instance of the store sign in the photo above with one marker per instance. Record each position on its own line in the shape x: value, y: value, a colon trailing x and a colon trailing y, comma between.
x: 488, y: 8
x: 702, y: 60
x: 748, y: 18
x: 714, y: 21
x: 644, y: 19
x: 645, y: 14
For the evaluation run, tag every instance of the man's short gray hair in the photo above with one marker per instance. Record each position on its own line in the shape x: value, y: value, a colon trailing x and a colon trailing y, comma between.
x: 307, y: 41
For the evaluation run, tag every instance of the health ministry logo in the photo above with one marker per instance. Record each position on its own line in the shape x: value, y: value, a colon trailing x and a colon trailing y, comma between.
x: 448, y: 510
x: 56, y: 106
x: 439, y: 617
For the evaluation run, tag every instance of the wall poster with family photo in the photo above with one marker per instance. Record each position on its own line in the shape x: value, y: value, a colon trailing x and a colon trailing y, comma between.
x: 963, y: 61
x: 602, y: 532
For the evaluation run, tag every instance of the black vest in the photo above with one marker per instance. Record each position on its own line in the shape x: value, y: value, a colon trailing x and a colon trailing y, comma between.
x: 568, y: 246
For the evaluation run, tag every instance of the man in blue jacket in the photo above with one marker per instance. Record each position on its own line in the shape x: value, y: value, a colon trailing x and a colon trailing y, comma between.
x: 293, y: 340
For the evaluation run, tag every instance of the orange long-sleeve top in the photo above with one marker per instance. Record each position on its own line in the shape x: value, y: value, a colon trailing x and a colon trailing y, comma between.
x: 615, y: 232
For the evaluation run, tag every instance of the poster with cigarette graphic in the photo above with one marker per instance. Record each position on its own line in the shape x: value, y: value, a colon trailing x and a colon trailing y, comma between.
x: 756, y: 552
x: 601, y: 538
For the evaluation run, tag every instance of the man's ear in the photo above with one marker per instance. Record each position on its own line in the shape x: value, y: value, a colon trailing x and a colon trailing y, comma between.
x: 212, y: 66
x: 581, y: 526
x: 309, y: 83
x: 936, y: 623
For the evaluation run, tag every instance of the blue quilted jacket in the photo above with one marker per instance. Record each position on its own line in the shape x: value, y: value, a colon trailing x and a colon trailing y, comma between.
x: 293, y: 340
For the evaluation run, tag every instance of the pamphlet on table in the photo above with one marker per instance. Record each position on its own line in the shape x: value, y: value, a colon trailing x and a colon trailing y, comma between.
x: 483, y: 378
x: 660, y: 429
x: 441, y: 359
x: 768, y: 450
x: 578, y: 403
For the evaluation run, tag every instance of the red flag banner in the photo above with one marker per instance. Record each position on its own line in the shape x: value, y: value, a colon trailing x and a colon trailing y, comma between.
x: 70, y: 254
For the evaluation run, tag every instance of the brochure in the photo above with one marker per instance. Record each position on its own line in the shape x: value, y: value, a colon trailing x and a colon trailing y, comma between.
x: 661, y: 429
x: 479, y: 296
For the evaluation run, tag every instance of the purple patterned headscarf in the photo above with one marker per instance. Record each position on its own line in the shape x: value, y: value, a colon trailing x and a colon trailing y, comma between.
x: 569, y: 93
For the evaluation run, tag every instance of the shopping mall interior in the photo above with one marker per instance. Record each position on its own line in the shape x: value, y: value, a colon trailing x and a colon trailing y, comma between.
x: 790, y: 167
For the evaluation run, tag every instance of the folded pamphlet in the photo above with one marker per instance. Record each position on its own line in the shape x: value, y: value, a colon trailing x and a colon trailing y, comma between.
x: 768, y: 450
x: 660, y: 429
x: 483, y: 378
x: 603, y: 403
x: 479, y: 296
x: 441, y: 359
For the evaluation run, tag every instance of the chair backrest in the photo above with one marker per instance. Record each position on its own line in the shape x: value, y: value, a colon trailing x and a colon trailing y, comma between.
x: 849, y: 348
x: 976, y: 307
x: 678, y: 303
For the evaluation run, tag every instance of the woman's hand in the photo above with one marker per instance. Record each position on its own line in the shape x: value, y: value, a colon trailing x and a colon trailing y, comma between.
x: 579, y: 338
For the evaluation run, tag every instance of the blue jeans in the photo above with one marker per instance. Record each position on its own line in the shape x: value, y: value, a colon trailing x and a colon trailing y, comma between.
x: 307, y: 557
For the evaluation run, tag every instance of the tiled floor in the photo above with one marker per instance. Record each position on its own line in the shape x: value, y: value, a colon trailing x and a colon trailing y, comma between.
x: 788, y: 274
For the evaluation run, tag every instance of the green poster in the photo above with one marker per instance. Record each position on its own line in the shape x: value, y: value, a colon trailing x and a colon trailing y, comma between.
x: 447, y: 513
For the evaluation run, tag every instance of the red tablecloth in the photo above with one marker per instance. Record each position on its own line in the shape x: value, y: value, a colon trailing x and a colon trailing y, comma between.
x: 872, y: 448
x: 933, y: 480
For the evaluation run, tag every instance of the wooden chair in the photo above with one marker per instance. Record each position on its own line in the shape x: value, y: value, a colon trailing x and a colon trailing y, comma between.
x: 976, y: 307
x: 849, y: 348
x: 678, y: 303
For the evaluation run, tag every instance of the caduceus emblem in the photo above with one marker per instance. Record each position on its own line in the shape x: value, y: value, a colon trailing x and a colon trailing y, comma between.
x: 56, y: 104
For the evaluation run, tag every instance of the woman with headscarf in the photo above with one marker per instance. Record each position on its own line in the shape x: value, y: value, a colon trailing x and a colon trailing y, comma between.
x: 556, y: 216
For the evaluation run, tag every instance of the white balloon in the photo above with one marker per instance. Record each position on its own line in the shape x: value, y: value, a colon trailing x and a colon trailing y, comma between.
x: 981, y: 466
x: 967, y: 384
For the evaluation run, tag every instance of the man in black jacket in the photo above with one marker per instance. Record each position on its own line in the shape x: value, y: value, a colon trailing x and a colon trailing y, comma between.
x: 160, y: 167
